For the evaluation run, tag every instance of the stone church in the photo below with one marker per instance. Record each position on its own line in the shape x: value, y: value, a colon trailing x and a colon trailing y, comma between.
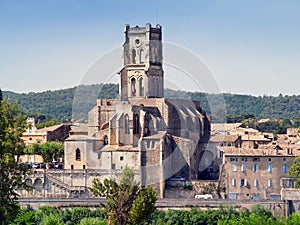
x: 159, y: 138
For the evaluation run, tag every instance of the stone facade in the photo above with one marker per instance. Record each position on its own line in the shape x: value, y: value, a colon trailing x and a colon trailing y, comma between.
x: 257, y: 170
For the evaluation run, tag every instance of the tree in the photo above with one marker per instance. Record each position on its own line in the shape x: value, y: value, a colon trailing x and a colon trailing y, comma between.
x: 252, y: 123
x: 126, y: 202
x: 143, y: 205
x: 294, y: 171
x: 48, y: 150
x: 296, y: 122
x: 261, y: 211
x: 12, y: 125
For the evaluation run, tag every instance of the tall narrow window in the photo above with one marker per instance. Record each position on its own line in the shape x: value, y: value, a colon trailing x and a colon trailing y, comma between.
x: 233, y: 167
x: 77, y: 154
x: 127, y: 131
x: 255, y: 167
x: 233, y: 182
x: 270, y: 167
x: 133, y: 56
x: 256, y: 182
x: 270, y: 183
x: 243, y: 168
x: 243, y: 182
x: 284, y: 168
x: 133, y: 87
x: 142, y: 56
x: 105, y: 140
x: 141, y: 84
x: 136, y: 124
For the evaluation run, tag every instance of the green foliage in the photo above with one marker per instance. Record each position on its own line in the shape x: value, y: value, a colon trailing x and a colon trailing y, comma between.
x: 292, y: 219
x: 233, y: 118
x: 228, y: 215
x: 58, y: 105
x: 44, y: 211
x: 26, y: 217
x: 48, y: 150
x: 251, y: 122
x: 125, y: 200
x: 50, y: 215
x: 47, y: 123
x: 51, y: 219
x: 92, y: 221
x: 296, y: 122
x: 272, y: 126
x: 251, y: 219
x: 260, y: 211
x: 294, y: 171
x: 12, y: 125
x: 269, y: 126
x: 143, y: 205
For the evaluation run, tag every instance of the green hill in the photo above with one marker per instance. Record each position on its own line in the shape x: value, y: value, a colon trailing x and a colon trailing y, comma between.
x: 60, y: 104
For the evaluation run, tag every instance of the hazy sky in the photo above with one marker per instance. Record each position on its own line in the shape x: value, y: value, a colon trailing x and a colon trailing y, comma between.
x: 252, y: 47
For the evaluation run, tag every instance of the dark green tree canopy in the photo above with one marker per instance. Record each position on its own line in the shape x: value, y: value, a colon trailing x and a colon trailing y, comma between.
x: 294, y: 171
x: 58, y: 104
x: 12, y: 125
x: 49, y: 150
x: 126, y: 202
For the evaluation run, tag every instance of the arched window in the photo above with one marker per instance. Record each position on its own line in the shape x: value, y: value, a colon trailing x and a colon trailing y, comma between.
x: 127, y: 131
x: 136, y: 124
x: 133, y: 87
x: 141, y: 84
x: 133, y: 56
x: 77, y: 154
x: 105, y: 140
x: 142, y: 56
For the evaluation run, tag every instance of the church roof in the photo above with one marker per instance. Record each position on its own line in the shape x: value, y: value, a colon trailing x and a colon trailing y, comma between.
x: 158, y: 135
x: 224, y: 127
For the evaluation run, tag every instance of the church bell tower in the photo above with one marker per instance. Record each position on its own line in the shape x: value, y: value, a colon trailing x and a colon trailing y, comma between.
x: 142, y: 75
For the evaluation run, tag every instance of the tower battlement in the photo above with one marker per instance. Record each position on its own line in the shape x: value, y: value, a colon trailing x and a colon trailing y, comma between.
x: 142, y: 74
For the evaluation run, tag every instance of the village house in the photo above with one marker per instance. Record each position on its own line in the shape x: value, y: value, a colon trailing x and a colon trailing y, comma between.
x: 256, y: 168
x: 32, y: 135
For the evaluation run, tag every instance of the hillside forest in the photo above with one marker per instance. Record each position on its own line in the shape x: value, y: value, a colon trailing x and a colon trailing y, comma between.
x: 73, y: 104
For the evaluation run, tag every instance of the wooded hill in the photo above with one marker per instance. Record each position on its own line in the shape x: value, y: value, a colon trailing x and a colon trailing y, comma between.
x: 60, y: 104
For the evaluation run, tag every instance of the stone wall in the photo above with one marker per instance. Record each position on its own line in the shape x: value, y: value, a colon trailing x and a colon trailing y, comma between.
x: 263, y: 182
x: 66, y: 183
x: 169, y: 193
x: 59, y: 134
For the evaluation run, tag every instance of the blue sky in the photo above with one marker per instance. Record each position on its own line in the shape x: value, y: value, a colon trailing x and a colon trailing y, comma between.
x: 252, y: 47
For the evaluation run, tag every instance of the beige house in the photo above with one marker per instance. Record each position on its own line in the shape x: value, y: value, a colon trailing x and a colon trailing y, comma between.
x: 256, y: 174
x: 54, y: 133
